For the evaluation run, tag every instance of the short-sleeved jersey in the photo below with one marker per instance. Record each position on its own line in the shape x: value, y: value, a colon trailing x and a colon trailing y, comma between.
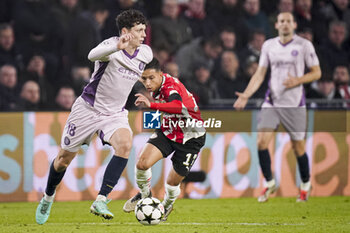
x: 112, y: 79
x: 284, y: 59
x: 189, y: 112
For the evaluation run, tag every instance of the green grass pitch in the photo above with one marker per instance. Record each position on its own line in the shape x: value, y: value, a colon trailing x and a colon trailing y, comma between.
x: 320, y: 214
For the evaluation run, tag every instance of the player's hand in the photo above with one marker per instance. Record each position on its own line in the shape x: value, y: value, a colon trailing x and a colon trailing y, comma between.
x: 291, y: 82
x: 142, y: 100
x: 241, y: 102
x: 124, y: 41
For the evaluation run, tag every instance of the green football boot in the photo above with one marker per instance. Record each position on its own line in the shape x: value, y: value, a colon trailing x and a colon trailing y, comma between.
x: 43, y: 211
x: 100, y: 208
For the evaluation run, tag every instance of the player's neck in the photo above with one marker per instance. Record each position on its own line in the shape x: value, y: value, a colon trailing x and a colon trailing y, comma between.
x: 286, y: 39
x: 130, y: 50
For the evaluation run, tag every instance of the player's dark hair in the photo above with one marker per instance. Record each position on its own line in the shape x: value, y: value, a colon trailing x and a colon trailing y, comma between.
x: 129, y: 18
x: 154, y: 64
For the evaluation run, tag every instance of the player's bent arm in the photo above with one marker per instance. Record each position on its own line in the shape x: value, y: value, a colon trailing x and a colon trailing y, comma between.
x: 174, y: 107
x: 102, y: 51
x: 314, y: 74
x: 255, y: 82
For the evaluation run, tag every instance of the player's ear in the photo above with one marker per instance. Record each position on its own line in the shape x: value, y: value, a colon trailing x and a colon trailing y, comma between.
x: 124, y: 31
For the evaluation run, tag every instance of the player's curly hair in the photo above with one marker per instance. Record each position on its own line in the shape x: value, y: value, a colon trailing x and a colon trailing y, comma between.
x: 130, y: 18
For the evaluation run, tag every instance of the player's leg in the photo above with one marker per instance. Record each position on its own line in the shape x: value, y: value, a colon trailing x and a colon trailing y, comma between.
x: 158, y: 147
x: 304, y: 171
x: 267, y: 124
x: 57, y: 171
x: 78, y: 129
x: 149, y: 156
x: 121, y: 140
x: 172, y: 191
x: 183, y: 160
x: 264, y: 138
x: 294, y: 120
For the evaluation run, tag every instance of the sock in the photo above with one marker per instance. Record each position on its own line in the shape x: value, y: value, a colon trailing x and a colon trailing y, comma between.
x: 303, y: 162
x: 101, y: 198
x: 305, y: 186
x: 265, y: 164
x: 271, y: 183
x: 171, y: 193
x: 49, y: 198
x: 112, y: 174
x: 143, y: 180
x: 53, y: 180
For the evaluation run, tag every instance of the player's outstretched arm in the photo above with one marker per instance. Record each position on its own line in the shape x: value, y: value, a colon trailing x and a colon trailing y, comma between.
x: 252, y: 87
x: 102, y: 51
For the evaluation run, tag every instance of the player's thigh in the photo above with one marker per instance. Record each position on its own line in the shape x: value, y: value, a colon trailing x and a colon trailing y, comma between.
x: 268, y: 119
x: 116, y: 131
x: 160, y: 141
x: 150, y: 154
x: 264, y: 138
x: 121, y: 140
x: 80, y: 126
x: 294, y: 121
x: 186, y: 155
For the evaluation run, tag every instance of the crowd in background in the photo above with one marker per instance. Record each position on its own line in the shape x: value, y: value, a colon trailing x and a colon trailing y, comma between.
x: 212, y: 46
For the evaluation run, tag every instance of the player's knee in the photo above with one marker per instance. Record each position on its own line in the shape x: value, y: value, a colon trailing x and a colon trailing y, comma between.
x: 262, y: 144
x: 142, y: 164
x: 123, y: 147
x: 298, y: 148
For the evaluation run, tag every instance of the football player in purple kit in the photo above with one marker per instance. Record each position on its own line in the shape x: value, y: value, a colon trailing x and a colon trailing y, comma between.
x: 119, y: 62
x: 284, y: 102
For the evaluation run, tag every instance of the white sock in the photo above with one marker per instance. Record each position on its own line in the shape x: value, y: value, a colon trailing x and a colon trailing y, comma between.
x: 171, y: 194
x: 49, y: 198
x: 101, y: 198
x: 305, y: 186
x: 270, y: 183
x: 143, y: 180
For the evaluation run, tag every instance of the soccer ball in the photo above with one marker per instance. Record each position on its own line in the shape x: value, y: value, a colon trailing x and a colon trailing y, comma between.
x: 149, y: 211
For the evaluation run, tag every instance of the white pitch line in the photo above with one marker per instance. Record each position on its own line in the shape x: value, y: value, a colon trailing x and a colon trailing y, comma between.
x: 176, y: 224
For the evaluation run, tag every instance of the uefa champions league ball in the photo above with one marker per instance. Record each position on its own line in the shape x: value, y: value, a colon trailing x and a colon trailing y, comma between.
x: 149, y: 211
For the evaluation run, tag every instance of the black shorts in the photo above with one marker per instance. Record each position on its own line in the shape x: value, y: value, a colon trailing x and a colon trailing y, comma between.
x: 185, y: 154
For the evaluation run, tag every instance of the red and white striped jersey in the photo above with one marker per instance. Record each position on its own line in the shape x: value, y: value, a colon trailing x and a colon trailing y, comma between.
x: 180, y: 118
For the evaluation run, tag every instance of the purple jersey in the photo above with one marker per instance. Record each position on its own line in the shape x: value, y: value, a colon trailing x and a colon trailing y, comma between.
x: 284, y: 59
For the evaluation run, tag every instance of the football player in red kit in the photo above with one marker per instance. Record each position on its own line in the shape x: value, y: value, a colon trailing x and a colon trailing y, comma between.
x: 181, y: 132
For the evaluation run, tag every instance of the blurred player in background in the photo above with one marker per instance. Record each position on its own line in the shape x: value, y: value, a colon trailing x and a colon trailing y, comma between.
x: 119, y: 62
x: 284, y: 102
x: 178, y: 104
